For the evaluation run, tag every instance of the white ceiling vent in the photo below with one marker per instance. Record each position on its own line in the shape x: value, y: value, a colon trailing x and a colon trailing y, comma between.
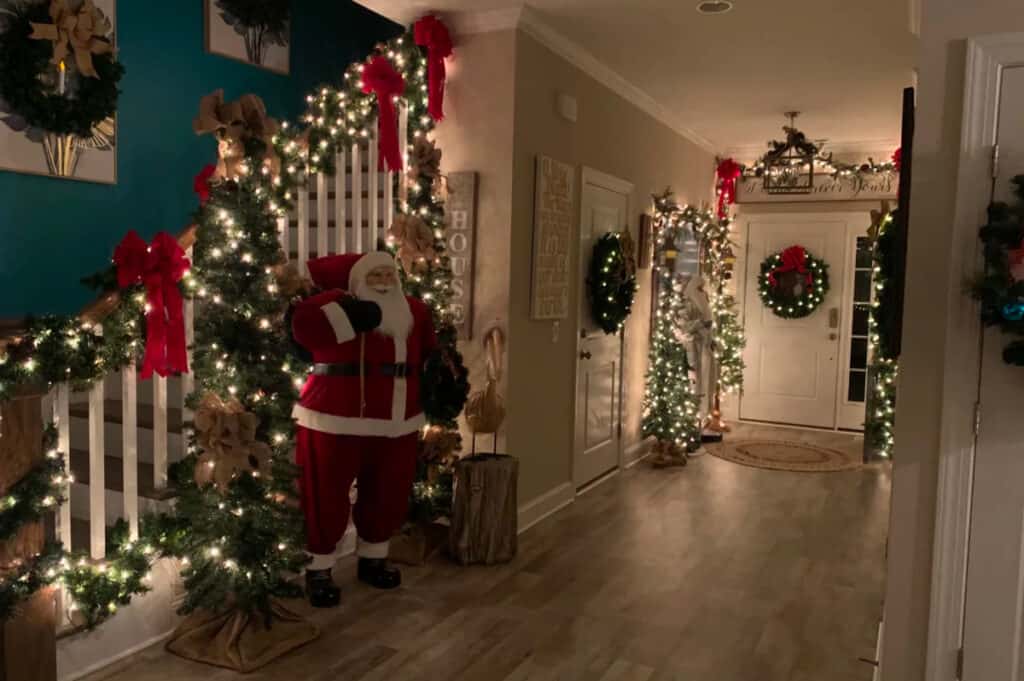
x: 714, y: 6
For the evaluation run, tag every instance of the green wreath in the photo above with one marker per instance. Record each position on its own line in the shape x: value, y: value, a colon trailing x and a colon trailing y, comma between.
x: 33, y: 99
x: 611, y: 284
x: 793, y: 283
x: 1000, y: 288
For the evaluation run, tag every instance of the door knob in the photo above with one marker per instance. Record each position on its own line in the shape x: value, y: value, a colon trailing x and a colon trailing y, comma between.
x: 832, y: 336
x: 585, y: 354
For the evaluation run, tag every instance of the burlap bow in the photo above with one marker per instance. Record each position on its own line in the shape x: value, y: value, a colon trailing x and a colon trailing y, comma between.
x: 415, y: 242
x: 227, y: 435
x: 232, y: 123
x: 82, y: 32
x: 424, y: 160
x: 290, y: 282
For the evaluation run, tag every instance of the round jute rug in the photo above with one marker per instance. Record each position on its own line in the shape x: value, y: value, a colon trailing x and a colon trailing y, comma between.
x: 785, y: 456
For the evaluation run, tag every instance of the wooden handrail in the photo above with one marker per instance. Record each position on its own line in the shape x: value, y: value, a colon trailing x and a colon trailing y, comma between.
x: 96, y: 311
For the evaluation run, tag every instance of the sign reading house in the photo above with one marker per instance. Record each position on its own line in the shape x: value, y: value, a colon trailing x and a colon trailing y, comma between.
x: 854, y: 187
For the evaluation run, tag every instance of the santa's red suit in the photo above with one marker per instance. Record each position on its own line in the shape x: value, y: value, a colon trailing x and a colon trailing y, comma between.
x: 359, y: 412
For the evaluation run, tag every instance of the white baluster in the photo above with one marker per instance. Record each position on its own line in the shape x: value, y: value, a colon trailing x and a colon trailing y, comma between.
x: 357, y: 200
x: 130, y: 447
x: 159, y: 432
x: 341, y: 234
x: 403, y: 142
x: 389, y: 201
x: 372, y: 201
x: 321, y: 215
x: 62, y: 417
x: 97, y: 474
x: 302, y: 206
x: 282, y: 232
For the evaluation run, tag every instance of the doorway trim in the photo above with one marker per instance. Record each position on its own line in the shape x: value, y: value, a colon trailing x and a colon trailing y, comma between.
x: 987, y: 56
x: 591, y: 176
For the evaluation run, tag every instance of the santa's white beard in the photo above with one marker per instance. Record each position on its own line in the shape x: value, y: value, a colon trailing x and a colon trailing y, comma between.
x: 396, y: 317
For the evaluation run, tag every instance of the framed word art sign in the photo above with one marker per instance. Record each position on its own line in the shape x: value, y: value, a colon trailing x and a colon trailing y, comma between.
x: 460, y: 212
x: 552, y: 239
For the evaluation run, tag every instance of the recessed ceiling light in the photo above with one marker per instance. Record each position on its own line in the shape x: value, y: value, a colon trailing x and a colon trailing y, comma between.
x: 714, y: 6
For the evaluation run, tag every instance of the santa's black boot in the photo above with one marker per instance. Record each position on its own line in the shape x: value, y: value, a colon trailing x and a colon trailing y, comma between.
x: 378, y: 573
x: 321, y: 590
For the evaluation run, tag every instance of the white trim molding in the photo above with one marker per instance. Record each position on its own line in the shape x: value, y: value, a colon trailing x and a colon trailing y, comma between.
x: 547, y: 504
x: 986, y: 58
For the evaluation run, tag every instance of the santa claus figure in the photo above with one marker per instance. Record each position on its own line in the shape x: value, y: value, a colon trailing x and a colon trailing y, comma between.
x: 359, y: 413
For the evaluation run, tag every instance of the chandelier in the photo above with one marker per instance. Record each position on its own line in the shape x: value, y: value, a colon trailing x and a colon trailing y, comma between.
x: 788, y: 168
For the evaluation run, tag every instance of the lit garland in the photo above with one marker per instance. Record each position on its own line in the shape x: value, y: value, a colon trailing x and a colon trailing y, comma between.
x: 717, y: 260
x: 37, y: 493
x: 879, y: 427
x: 610, y: 285
x: 670, y: 410
x: 790, y: 306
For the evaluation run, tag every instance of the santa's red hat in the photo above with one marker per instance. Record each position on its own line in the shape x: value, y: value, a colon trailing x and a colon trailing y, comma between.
x: 344, y: 271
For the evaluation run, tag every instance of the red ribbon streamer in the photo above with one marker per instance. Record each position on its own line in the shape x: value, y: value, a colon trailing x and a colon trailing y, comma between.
x: 430, y: 33
x: 381, y: 78
x: 728, y: 174
x: 159, y: 267
x: 201, y: 183
x: 794, y: 259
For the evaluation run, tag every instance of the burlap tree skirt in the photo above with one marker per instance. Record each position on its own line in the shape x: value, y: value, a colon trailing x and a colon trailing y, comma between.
x: 241, y: 641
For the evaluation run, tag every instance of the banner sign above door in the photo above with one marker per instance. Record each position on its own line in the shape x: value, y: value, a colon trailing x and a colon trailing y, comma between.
x: 875, y: 187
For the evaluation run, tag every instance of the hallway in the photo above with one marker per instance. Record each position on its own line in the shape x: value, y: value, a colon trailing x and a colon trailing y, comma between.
x: 713, y: 571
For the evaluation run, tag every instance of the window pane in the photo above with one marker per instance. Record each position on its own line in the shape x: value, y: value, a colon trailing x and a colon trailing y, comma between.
x: 859, y: 353
x: 862, y: 286
x: 857, y: 386
x: 860, y: 320
x: 863, y: 253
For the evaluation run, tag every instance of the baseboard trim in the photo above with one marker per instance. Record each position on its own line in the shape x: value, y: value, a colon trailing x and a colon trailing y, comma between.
x: 546, y: 505
x: 632, y: 456
x: 105, y: 665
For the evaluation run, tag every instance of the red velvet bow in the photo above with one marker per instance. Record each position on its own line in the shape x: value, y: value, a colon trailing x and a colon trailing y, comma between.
x: 159, y: 267
x: 381, y: 78
x: 794, y: 259
x: 728, y: 173
x: 430, y: 33
x: 201, y: 184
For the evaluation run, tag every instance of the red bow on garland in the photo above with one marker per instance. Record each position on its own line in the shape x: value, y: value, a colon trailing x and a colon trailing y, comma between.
x: 381, y: 78
x: 897, y: 159
x: 794, y: 259
x: 159, y: 267
x: 201, y: 184
x: 728, y: 174
x: 430, y: 33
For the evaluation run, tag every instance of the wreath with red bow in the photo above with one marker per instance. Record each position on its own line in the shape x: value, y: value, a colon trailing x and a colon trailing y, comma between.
x: 793, y: 283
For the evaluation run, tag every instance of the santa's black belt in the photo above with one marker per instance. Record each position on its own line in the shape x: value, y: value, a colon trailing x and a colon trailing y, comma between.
x: 399, y: 370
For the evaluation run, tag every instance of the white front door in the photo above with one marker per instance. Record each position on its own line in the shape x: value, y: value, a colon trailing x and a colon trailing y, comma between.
x: 792, y: 365
x: 994, y: 616
x: 604, y: 207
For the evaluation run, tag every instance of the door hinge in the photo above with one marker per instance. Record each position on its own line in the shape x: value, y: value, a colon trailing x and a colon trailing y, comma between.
x: 960, y: 663
x: 995, y: 161
x: 977, y: 419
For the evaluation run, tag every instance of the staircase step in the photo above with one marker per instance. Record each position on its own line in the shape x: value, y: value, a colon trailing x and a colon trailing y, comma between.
x: 113, y: 476
x: 144, y: 415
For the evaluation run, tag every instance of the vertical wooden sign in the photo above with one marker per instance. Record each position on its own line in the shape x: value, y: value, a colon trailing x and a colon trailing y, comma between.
x: 552, y: 239
x: 460, y: 213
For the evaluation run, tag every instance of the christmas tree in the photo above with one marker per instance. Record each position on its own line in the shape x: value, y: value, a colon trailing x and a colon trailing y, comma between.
x: 670, y: 406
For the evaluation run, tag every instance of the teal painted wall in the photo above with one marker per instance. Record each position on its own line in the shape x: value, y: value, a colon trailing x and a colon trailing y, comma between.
x: 53, y: 232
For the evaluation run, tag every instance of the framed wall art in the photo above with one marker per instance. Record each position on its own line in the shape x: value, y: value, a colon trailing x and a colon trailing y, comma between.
x: 257, y: 33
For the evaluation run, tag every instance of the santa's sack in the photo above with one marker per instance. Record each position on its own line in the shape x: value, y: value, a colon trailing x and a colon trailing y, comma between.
x: 485, y: 522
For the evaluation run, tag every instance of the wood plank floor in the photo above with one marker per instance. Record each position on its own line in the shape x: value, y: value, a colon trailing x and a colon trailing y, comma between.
x: 712, y: 572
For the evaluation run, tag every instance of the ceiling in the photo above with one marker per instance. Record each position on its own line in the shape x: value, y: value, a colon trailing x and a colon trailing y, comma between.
x: 728, y: 78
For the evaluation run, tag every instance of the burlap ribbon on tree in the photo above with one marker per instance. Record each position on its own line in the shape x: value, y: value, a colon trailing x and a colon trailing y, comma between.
x: 82, y: 32
x: 227, y: 434
x: 290, y: 282
x: 415, y: 242
x: 424, y: 160
x: 233, y: 123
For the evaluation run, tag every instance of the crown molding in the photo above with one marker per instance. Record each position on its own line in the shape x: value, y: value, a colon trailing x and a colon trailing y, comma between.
x: 531, y: 23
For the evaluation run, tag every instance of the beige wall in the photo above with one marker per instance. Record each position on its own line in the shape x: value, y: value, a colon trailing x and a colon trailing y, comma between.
x: 945, y: 26
x: 477, y: 135
x: 614, y: 137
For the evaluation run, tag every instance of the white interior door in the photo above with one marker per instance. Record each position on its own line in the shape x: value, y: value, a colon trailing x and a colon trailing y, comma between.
x: 791, y: 373
x: 604, y: 207
x: 994, y: 616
